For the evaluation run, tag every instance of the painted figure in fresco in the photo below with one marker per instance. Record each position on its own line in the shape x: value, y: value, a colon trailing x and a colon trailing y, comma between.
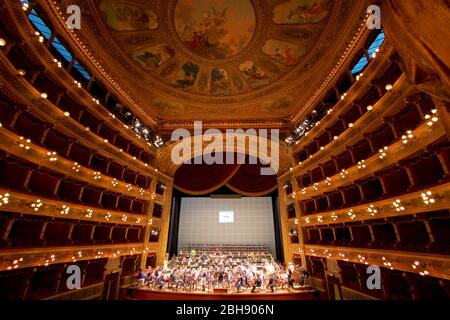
x: 152, y: 58
x: 215, y: 29
x: 210, y: 31
x: 301, y: 11
x: 306, y: 12
x: 137, y: 19
x: 123, y: 17
x: 285, y: 54
x: 220, y: 84
x: 190, y: 73
x: 254, y: 75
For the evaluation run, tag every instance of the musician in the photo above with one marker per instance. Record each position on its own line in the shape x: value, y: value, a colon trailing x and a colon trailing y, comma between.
x: 304, y: 274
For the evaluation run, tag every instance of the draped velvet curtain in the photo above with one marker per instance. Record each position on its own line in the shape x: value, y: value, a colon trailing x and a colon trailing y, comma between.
x: 249, y: 181
x: 245, y: 179
x: 420, y: 31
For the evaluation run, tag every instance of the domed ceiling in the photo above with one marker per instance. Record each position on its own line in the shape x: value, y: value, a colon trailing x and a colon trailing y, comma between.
x: 220, y: 59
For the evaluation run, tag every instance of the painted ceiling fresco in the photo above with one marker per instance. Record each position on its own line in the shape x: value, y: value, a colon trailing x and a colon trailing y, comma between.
x: 300, y: 11
x: 196, y: 54
x: 215, y: 29
x: 122, y: 17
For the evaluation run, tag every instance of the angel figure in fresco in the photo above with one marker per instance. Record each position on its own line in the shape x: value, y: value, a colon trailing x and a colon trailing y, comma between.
x: 254, y: 75
x: 219, y: 82
x: 286, y: 55
x: 213, y: 19
x: 209, y: 32
x: 219, y: 78
x: 152, y: 60
x: 136, y: 19
x: 190, y: 72
x: 306, y: 12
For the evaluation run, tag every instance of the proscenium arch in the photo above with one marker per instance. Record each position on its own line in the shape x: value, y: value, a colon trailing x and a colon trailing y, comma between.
x: 198, y: 144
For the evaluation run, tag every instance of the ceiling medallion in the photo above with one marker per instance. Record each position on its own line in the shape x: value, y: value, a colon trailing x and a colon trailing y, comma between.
x: 220, y: 58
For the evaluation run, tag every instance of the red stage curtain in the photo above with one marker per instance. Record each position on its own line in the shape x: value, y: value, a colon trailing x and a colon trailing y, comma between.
x: 248, y: 181
x: 203, y: 178
x: 197, y: 179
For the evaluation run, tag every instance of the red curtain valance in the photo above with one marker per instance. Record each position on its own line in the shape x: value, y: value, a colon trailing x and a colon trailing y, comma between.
x: 245, y: 179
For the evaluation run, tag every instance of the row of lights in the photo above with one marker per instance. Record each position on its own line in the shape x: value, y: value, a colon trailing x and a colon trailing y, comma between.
x: 427, y: 198
x: 43, y: 95
x: 382, y: 153
x: 100, y: 67
x: 15, y: 263
x: 350, y: 125
x: 65, y: 210
x: 158, y: 141
x: 336, y: 67
x: 417, y: 266
x: 52, y: 156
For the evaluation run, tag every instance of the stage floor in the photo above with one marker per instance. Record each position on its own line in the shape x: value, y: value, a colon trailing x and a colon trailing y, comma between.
x: 151, y: 294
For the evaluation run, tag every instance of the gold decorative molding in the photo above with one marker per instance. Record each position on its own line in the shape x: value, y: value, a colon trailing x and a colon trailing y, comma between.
x: 23, y: 203
x: 27, y: 95
x: 298, y: 81
x: 412, y: 203
x: 35, y: 257
x: 11, y: 142
x: 424, y: 136
x: 434, y: 265
x: 368, y: 122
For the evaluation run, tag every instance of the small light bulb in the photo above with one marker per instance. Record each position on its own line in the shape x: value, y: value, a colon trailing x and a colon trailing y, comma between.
x: 44, y: 95
x: 2, y: 42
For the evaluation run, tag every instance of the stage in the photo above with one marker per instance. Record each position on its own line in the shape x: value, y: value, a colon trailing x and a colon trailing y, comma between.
x: 136, y: 293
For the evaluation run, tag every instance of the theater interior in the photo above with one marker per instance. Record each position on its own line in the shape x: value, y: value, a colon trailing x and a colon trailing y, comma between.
x: 89, y: 104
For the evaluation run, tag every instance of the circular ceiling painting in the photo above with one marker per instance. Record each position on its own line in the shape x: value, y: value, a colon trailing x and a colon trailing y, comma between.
x: 215, y: 29
x: 221, y: 59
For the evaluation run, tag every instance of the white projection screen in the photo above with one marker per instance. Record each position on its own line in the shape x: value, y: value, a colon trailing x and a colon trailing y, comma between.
x: 226, y: 216
x: 244, y: 221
